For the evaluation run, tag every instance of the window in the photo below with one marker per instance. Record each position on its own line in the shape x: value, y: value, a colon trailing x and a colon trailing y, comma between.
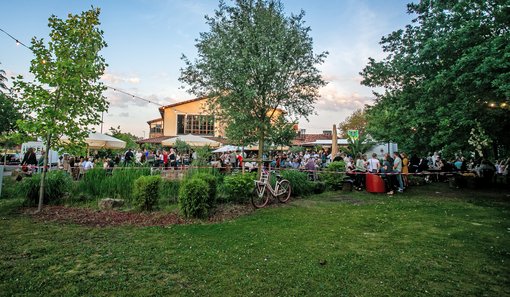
x: 195, y: 124
x: 156, y: 128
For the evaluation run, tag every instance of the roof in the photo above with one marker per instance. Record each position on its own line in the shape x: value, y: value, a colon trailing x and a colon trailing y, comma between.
x: 155, y: 120
x: 158, y: 140
x: 154, y: 139
x: 162, y: 108
x: 307, y: 138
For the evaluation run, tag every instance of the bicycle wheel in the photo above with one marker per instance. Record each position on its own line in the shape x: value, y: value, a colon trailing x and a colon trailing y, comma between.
x: 260, y: 196
x: 284, y: 191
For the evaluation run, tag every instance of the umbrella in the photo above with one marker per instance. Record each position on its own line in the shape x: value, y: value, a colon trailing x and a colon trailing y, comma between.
x: 98, y: 141
x: 192, y: 140
x: 227, y: 148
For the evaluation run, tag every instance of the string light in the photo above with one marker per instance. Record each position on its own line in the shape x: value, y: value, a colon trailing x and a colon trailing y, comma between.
x: 115, y: 90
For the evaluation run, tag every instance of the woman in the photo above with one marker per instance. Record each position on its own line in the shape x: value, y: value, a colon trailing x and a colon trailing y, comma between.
x: 387, y: 167
x: 360, y: 169
x: 405, y: 169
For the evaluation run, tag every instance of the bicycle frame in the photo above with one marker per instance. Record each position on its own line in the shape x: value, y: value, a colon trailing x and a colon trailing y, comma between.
x: 264, y: 184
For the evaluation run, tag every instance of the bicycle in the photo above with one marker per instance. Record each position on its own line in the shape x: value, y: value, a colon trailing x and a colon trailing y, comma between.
x: 263, y: 190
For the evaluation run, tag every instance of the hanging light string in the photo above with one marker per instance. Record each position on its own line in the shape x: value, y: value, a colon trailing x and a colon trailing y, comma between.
x: 110, y: 87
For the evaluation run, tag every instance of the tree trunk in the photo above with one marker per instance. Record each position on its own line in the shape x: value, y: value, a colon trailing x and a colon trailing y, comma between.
x: 43, y: 176
x: 261, y: 152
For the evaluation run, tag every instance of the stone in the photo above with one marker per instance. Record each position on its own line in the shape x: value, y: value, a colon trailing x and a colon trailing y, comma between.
x: 110, y: 203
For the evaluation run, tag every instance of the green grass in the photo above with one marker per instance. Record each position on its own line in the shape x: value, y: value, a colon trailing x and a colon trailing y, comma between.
x: 431, y: 241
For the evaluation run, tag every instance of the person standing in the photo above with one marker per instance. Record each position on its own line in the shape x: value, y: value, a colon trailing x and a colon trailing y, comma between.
x: 405, y: 168
x: 128, y: 157
x: 397, y: 169
x: 373, y: 164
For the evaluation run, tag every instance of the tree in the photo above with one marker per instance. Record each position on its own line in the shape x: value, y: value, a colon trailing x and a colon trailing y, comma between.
x: 442, y: 74
x: 3, y: 80
x: 283, y: 132
x: 253, y: 62
x: 66, y: 96
x: 357, y: 146
x: 129, y: 138
x: 356, y: 121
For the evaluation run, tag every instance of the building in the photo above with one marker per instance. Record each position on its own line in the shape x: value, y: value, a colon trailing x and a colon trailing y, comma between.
x: 186, y: 117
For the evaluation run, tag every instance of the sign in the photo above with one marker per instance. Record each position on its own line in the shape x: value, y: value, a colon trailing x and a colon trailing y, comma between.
x: 353, y: 134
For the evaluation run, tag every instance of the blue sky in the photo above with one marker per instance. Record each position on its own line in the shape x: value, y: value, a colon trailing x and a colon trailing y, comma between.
x: 146, y: 39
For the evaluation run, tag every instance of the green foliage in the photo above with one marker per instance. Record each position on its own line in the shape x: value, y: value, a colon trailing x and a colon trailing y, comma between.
x: 239, y: 187
x: 333, y: 175
x: 358, y: 146
x: 282, y: 132
x: 319, y: 187
x: 356, y: 121
x: 181, y: 146
x: 96, y: 183
x: 146, y: 191
x: 254, y: 60
x: 58, y: 184
x: 170, y: 190
x: 129, y: 138
x: 203, y: 154
x: 194, y: 198
x: 212, y: 183
x: 299, y: 182
x: 442, y: 74
x: 12, y: 189
x: 296, y: 149
x: 66, y: 96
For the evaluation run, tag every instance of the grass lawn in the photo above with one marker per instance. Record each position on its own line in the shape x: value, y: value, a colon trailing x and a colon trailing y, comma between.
x: 430, y: 241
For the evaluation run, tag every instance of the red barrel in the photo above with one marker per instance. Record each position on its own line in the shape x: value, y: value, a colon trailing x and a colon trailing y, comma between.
x: 375, y: 184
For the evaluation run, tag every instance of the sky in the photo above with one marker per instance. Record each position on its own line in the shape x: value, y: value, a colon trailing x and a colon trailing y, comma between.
x: 146, y: 39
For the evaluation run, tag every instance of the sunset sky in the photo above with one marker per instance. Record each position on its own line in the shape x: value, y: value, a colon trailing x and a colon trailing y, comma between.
x: 147, y: 38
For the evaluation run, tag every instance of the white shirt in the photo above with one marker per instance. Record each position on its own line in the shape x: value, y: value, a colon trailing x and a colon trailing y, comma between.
x: 373, y: 164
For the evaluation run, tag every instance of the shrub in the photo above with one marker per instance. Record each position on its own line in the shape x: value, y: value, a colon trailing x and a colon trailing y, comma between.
x: 333, y: 175
x: 146, y: 192
x: 58, y: 184
x: 11, y: 189
x: 170, y: 190
x: 194, y: 197
x: 211, y: 181
x: 319, y: 187
x: 299, y: 182
x: 239, y: 187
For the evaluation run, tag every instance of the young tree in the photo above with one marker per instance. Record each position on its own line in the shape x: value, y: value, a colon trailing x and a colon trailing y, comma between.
x: 443, y: 73
x: 253, y: 61
x: 129, y: 138
x: 66, y: 96
x: 356, y: 121
x: 283, y: 132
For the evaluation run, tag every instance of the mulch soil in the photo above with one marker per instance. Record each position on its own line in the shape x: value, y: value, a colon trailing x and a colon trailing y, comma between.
x: 105, y: 218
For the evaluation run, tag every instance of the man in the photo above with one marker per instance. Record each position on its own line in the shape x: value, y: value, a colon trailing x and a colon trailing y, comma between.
x: 373, y: 164
x: 128, y: 157
x: 397, y: 168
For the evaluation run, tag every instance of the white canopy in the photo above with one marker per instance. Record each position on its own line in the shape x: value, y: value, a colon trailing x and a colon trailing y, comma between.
x: 326, y: 142
x: 192, y: 140
x: 227, y: 148
x: 98, y: 141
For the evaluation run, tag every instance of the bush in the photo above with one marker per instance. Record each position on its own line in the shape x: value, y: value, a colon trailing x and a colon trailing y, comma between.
x: 211, y: 181
x: 299, y: 182
x: 333, y: 175
x: 146, y: 192
x: 319, y: 187
x: 58, y: 184
x: 12, y: 189
x: 194, y: 197
x: 239, y: 187
x: 96, y: 183
x: 170, y: 190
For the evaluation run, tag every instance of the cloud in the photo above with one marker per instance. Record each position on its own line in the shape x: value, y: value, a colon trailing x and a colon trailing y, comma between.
x: 111, y: 78
x: 124, y: 114
x: 333, y: 99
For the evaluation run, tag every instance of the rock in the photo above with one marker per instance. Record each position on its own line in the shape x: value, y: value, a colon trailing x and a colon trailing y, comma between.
x: 110, y: 203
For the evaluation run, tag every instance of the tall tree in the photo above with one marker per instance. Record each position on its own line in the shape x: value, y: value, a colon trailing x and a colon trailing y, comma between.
x: 66, y: 96
x: 253, y: 61
x: 442, y: 74
x: 283, y: 132
x: 356, y: 121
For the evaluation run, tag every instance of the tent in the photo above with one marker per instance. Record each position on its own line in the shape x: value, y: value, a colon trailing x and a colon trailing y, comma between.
x: 192, y: 140
x: 227, y: 148
x: 98, y: 141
